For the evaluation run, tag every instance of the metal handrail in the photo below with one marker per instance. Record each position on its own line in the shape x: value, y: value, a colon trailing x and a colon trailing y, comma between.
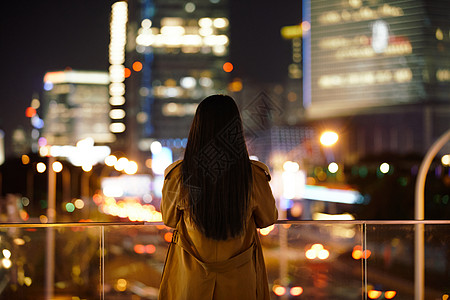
x: 293, y: 222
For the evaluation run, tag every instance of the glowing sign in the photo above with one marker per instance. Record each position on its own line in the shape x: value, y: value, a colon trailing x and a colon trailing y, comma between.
x: 126, y: 186
x: 364, y: 56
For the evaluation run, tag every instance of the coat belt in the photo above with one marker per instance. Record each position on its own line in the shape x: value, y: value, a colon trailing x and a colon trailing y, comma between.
x: 220, y: 266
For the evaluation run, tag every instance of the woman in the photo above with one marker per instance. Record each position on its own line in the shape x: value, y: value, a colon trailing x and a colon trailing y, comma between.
x: 216, y: 198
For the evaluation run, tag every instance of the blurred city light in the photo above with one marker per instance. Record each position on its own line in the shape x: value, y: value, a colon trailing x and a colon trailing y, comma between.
x: 35, y: 103
x: 86, y: 167
x: 19, y: 241
x: 293, y: 180
x: 41, y: 167
x: 139, y: 249
x: 110, y: 160
x: 333, y: 167
x: 329, y: 138
x: 290, y: 166
x: 6, y: 263
x: 446, y: 160
x: 121, y: 285
x: 117, y: 127
x: 266, y: 230
x: 315, y: 192
x: 306, y: 26
x: 25, y: 159
x: 384, y: 168
x: 121, y: 164
x: 6, y: 253
x: 43, y: 219
x: 358, y: 253
x: 317, y: 251
x: 137, y: 66
x: 168, y: 236
x: 220, y: 22
x: 131, y: 168
x: 150, y: 249
x: 374, y: 294
x: 228, y: 67
x: 118, y: 34
x: 296, y: 291
x: 30, y: 112
x: 27, y: 281
x: 279, y: 290
x: 79, y: 203
x: 117, y: 114
x: 189, y: 7
x: 86, y: 143
x: 390, y: 294
x: 70, y: 207
x: 57, y: 166
x: 161, y: 160
x: 127, y: 72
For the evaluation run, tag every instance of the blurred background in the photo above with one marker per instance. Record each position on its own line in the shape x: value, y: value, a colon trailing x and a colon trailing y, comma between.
x: 341, y: 99
x: 107, y: 91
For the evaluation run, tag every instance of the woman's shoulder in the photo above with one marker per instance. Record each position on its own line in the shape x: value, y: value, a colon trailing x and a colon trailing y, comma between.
x: 172, y: 167
x: 261, y: 168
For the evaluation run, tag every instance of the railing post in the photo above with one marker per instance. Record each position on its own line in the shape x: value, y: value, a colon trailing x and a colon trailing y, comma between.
x: 102, y: 262
x: 419, y: 214
x: 364, y: 260
x: 50, y: 241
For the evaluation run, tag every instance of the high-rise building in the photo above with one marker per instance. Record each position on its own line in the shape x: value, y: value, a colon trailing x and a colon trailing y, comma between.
x: 379, y: 70
x: 76, y: 107
x: 176, y: 55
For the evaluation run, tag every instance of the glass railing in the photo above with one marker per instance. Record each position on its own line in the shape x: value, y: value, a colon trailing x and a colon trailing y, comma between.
x: 304, y: 259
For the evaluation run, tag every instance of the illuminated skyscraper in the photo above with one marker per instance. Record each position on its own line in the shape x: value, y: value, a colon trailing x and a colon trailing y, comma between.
x: 175, y: 55
x: 76, y: 107
x: 383, y: 63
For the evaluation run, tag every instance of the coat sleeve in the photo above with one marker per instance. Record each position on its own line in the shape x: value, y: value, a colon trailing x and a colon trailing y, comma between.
x: 171, y: 197
x: 265, y: 211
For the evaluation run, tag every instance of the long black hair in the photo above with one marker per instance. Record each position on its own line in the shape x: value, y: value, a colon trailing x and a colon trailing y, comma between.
x: 216, y: 170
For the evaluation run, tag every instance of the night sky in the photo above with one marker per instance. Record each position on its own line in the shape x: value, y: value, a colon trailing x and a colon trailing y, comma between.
x: 41, y: 36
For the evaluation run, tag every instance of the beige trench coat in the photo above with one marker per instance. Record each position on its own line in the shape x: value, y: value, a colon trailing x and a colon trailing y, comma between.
x: 199, y: 268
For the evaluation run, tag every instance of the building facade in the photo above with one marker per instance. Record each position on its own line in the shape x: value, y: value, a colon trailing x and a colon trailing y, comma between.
x: 175, y: 57
x: 377, y: 71
x: 76, y: 107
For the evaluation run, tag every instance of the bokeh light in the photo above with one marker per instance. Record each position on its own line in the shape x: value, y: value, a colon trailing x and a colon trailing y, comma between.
x: 228, y: 67
x: 41, y: 167
x: 57, y: 166
x: 137, y: 66
x: 30, y: 112
x: 279, y: 290
x: 329, y: 138
x: 150, y: 249
x: 70, y: 207
x: 121, y: 285
x: 121, y: 164
x: 6, y: 253
x: 446, y: 160
x: 333, y: 167
x: 131, y: 167
x: 79, y: 203
x: 86, y: 167
x: 384, y: 168
x: 110, y: 160
x: 25, y: 159
x: 127, y: 72
x: 374, y: 294
x: 266, y: 230
x: 390, y: 294
x: 296, y: 291
x: 168, y: 236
